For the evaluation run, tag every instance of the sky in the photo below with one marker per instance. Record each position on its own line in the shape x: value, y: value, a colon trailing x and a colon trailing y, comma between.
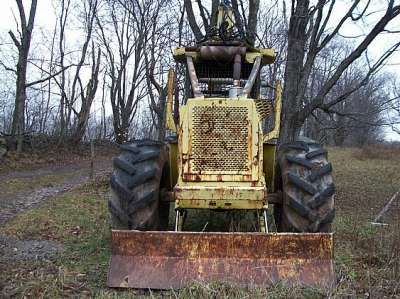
x: 45, y: 19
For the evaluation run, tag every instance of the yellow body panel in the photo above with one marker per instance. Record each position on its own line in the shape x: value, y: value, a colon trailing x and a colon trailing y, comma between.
x: 267, y: 55
x: 169, y: 120
x: 242, y: 204
x: 210, y: 170
x: 221, y: 195
x: 220, y: 187
x: 173, y: 153
x: 277, y: 112
x: 207, y: 123
x: 269, y: 154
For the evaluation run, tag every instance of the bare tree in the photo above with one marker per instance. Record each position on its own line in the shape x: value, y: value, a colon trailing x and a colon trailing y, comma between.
x: 307, y: 36
x: 247, y: 26
x: 87, y: 96
x: 157, y: 65
x: 395, y: 105
x: 77, y: 93
x: 23, y: 45
x: 192, y: 20
x: 62, y: 21
x: 123, y: 46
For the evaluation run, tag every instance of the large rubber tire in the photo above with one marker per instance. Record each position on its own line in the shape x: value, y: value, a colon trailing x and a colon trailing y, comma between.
x: 307, y: 188
x: 135, y: 202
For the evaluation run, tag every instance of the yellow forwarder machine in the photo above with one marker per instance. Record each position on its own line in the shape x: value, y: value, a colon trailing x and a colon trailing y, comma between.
x: 222, y: 160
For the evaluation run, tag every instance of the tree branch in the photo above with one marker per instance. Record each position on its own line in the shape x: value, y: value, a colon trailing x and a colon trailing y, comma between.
x: 48, y: 77
x: 254, y: 6
x: 192, y: 21
x: 32, y: 15
x: 22, y: 16
x: 238, y: 18
x: 7, y: 68
x: 214, y: 13
x: 203, y: 15
x: 390, y: 14
x: 15, y: 40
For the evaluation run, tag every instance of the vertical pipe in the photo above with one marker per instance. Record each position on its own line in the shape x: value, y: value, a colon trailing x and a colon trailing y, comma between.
x: 252, y: 78
x: 265, y: 220
x: 169, y: 120
x: 237, y: 64
x: 277, y: 113
x: 193, y: 78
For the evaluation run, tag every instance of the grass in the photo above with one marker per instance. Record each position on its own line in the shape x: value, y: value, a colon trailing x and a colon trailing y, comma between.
x: 24, y: 184
x: 367, y: 259
x: 366, y: 256
x: 49, y: 154
x: 378, y: 151
x: 79, y: 221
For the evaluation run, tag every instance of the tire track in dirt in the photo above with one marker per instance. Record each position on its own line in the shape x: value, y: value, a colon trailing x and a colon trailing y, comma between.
x: 14, y: 203
x: 69, y: 177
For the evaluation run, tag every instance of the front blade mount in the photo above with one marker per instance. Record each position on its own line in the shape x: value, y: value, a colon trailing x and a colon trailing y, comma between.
x: 164, y: 260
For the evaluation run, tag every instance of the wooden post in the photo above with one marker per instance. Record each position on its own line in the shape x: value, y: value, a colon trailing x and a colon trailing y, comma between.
x: 91, y: 159
x: 385, y: 209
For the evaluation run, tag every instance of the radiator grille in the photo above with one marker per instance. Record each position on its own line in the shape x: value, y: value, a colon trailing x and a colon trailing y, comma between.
x: 220, y: 139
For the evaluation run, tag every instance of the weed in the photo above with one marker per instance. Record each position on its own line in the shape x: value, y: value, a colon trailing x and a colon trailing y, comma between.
x: 378, y: 151
x: 367, y: 258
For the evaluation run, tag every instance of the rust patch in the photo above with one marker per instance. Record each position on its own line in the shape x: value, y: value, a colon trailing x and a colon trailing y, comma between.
x: 163, y: 260
x: 218, y: 141
x: 191, y: 177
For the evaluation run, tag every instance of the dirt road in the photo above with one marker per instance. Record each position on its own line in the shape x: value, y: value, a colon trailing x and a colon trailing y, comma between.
x: 27, y: 189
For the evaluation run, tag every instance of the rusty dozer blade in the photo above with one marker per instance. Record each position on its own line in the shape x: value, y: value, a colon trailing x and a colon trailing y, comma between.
x: 165, y: 260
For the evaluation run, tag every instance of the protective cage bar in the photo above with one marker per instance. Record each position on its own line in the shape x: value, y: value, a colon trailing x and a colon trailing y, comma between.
x: 165, y: 260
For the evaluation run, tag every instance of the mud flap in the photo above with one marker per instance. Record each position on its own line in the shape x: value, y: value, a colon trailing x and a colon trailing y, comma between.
x: 165, y: 260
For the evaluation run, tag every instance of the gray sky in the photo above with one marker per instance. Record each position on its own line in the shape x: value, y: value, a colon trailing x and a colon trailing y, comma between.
x: 45, y: 19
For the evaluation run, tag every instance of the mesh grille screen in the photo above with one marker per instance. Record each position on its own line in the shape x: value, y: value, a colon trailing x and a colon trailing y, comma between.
x: 220, y: 139
x: 215, y: 70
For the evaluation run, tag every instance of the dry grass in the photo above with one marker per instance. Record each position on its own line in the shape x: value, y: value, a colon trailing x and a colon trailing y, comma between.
x: 26, y: 184
x: 54, y: 156
x: 366, y: 257
x: 378, y: 151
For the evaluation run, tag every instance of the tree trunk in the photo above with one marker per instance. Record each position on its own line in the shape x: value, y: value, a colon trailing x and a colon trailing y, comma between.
x: 83, y: 118
x: 23, y: 45
x: 161, y: 116
x: 18, y: 123
x: 291, y: 103
x: 254, y: 6
x: 121, y: 133
x: 87, y: 100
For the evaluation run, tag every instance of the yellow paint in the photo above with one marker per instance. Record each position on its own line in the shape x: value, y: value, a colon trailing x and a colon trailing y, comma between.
x: 181, y: 53
x: 269, y: 155
x: 170, y: 124
x: 220, y: 191
x: 173, y: 163
x: 217, y: 189
x: 277, y: 113
x: 267, y: 55
x: 221, y: 17
x: 220, y: 204
x: 255, y: 135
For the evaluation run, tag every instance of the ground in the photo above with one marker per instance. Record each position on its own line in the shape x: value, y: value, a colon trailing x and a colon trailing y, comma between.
x: 56, y: 244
